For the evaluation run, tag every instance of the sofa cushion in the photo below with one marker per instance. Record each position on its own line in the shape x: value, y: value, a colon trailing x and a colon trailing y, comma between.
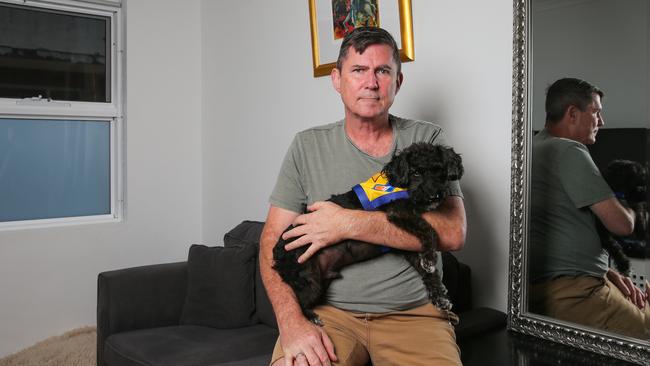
x: 458, y: 282
x: 190, y: 345
x: 248, y: 233
x: 220, y: 286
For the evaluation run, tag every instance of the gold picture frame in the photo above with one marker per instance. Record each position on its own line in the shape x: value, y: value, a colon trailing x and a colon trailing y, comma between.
x: 394, y: 16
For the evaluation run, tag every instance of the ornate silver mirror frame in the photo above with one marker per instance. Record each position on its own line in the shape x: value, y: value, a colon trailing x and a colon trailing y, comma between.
x: 519, y: 319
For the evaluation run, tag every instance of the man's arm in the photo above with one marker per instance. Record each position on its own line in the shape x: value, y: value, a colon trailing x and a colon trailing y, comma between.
x: 617, y: 219
x: 328, y: 223
x: 297, y: 334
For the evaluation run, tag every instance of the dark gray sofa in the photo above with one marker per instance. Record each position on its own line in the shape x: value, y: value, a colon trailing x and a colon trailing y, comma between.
x: 142, y: 313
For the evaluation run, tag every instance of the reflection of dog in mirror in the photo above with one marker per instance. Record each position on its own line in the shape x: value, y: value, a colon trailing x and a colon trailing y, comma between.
x: 425, y: 170
x: 628, y: 180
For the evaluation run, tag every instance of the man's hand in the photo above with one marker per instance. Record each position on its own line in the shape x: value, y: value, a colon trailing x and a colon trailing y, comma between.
x: 325, y: 224
x: 306, y: 344
x: 633, y: 293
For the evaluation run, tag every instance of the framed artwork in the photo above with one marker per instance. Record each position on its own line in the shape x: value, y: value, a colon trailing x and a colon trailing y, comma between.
x: 331, y: 20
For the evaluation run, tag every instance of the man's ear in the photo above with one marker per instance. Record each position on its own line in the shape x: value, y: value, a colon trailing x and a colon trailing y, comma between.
x: 400, y: 80
x: 336, y: 79
x: 571, y: 113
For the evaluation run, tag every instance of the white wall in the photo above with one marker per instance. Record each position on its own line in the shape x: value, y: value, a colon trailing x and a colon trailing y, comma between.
x: 602, y: 41
x: 243, y: 68
x: 48, y: 276
x: 258, y: 91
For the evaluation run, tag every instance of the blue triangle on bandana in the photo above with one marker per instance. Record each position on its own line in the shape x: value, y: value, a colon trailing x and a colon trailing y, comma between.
x: 373, y: 205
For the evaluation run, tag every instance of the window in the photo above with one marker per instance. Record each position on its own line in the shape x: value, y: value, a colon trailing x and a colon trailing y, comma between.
x: 60, y: 112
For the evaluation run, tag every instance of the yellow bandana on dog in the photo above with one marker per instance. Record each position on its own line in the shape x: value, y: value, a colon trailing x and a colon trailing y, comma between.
x: 376, y: 192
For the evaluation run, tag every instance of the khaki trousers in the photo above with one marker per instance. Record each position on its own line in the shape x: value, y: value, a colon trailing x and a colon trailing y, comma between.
x: 420, y: 336
x: 591, y: 301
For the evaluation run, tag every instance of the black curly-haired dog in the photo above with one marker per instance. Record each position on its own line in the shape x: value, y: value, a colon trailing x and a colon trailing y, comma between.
x: 628, y: 179
x: 425, y: 170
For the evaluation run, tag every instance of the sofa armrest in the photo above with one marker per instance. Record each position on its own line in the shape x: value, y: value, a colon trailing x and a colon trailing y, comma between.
x: 479, y: 321
x: 138, y: 298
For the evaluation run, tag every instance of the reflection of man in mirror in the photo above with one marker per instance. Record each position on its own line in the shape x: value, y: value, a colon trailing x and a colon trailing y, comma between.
x: 570, y: 275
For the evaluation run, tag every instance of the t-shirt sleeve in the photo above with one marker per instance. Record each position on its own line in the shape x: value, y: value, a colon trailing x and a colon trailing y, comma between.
x: 581, y: 178
x: 288, y: 192
x: 440, y: 138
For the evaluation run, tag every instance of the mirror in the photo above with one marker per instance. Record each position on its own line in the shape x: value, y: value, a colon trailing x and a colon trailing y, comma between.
x: 605, y: 42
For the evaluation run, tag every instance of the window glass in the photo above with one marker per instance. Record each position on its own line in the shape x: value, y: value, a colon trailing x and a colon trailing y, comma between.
x: 54, y: 168
x: 54, y: 54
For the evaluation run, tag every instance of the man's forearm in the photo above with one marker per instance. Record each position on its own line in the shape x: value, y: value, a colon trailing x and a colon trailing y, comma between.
x: 284, y: 301
x: 617, y: 219
x: 297, y: 335
x: 448, y: 221
x: 374, y: 227
x: 282, y: 297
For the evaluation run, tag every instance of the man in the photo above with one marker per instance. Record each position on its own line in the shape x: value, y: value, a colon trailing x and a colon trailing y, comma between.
x: 380, y: 308
x: 570, y: 274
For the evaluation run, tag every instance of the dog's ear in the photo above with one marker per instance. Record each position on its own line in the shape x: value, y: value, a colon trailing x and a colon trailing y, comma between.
x: 397, y: 170
x: 627, y: 177
x: 454, y: 164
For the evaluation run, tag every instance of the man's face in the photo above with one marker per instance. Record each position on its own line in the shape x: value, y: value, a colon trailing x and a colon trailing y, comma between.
x: 589, y: 121
x: 367, y: 82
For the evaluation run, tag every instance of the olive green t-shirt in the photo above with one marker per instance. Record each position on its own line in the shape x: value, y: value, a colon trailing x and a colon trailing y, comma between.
x: 323, y: 161
x: 564, y: 183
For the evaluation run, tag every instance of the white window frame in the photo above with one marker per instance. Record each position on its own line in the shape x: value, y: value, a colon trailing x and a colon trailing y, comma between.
x: 112, y: 111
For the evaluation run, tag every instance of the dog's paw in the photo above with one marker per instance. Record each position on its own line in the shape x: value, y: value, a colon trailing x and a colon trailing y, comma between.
x: 427, y: 265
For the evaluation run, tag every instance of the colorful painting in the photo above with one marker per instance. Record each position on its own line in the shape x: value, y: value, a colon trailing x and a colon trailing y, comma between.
x: 336, y: 18
x: 349, y: 14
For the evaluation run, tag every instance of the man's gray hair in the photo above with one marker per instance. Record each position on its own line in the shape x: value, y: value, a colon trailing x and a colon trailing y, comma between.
x: 362, y: 37
x: 567, y: 92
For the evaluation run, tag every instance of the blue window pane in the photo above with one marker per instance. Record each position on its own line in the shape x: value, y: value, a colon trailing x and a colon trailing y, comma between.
x: 53, y: 169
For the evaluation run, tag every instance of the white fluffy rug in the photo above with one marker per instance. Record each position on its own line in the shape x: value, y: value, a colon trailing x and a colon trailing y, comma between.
x: 74, y: 348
